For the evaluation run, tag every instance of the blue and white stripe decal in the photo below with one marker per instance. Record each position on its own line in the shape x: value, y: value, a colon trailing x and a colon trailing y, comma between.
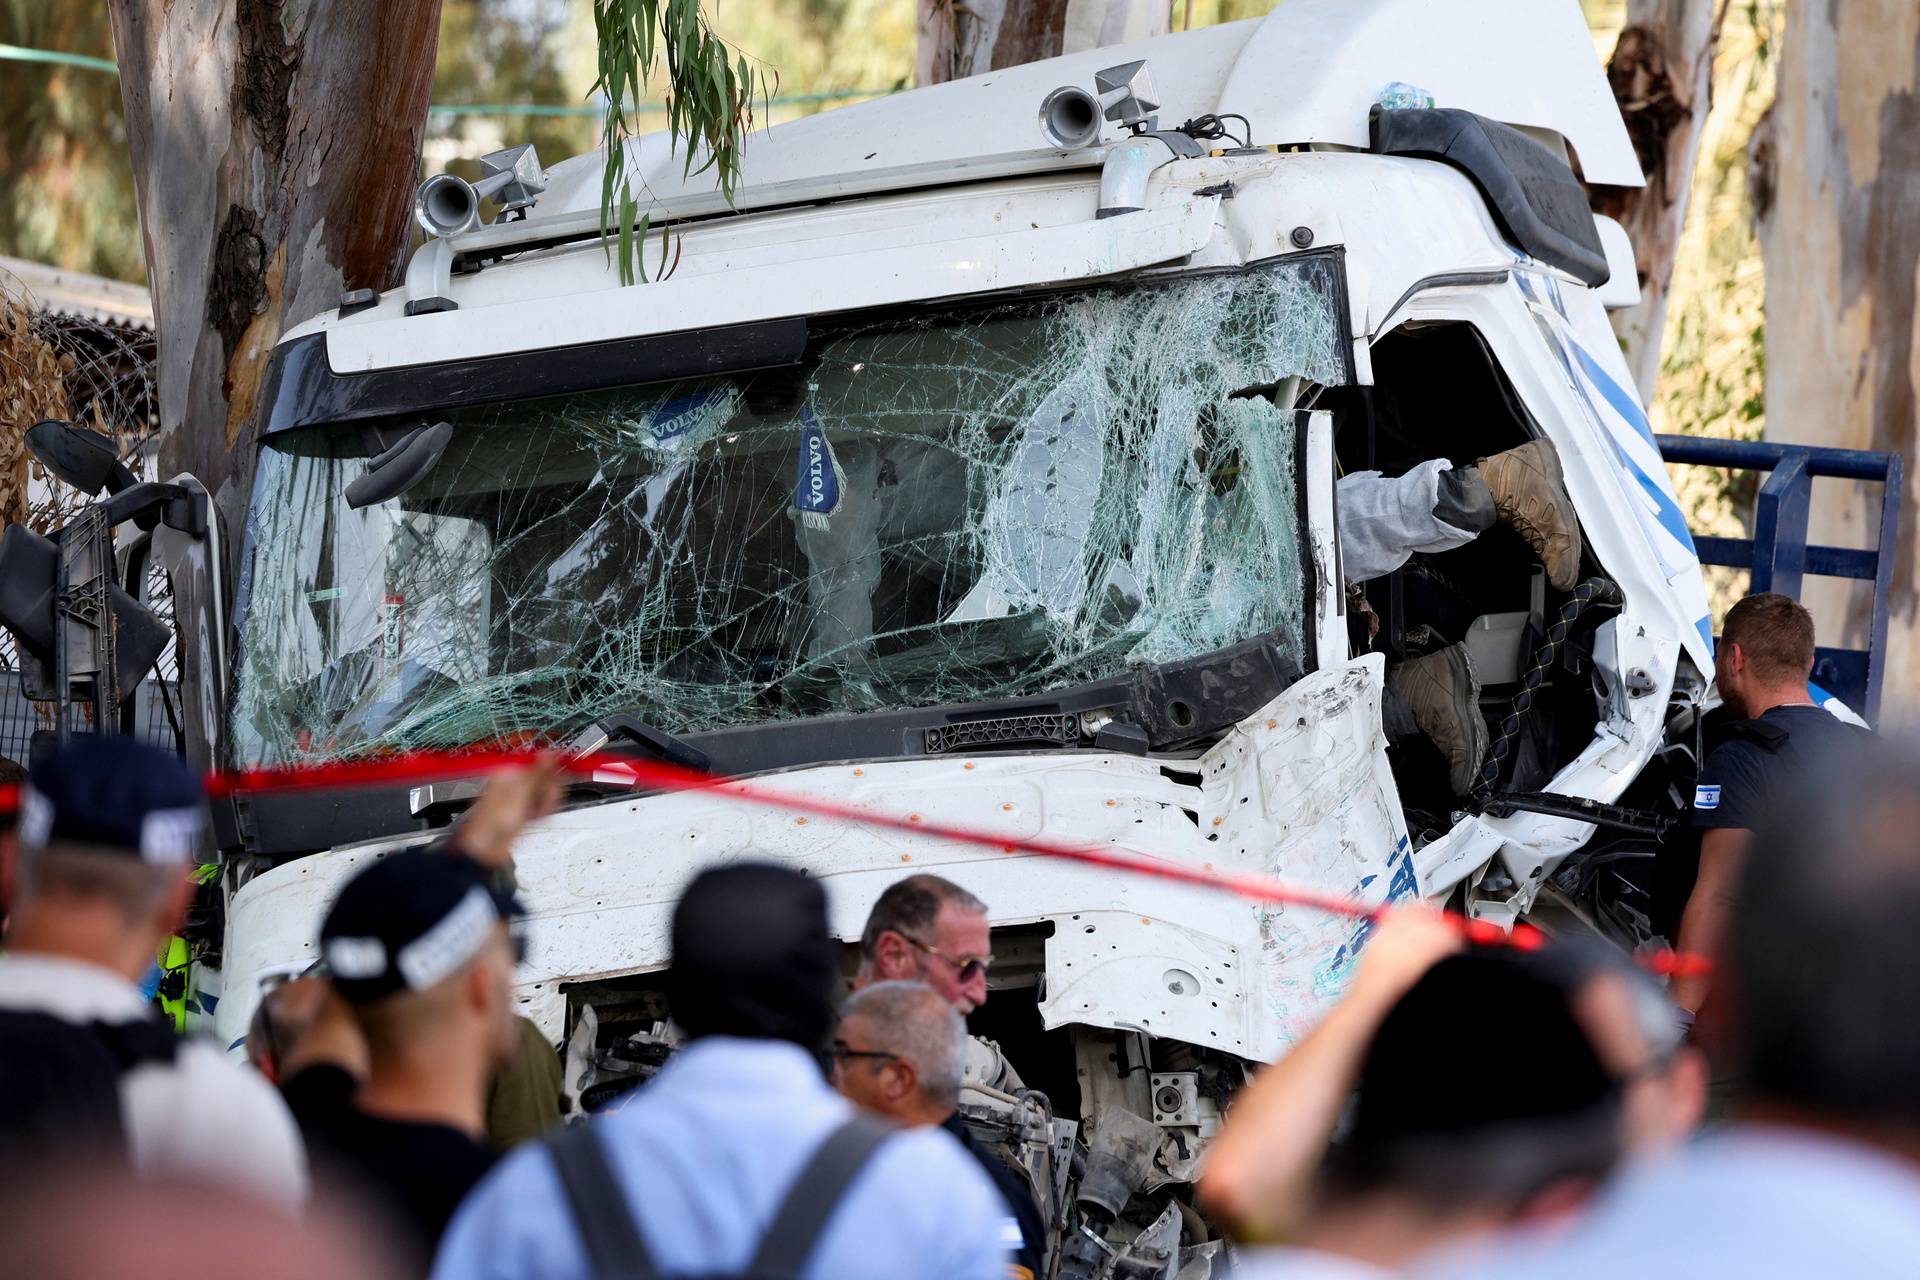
x: 1616, y: 412
x: 1403, y: 884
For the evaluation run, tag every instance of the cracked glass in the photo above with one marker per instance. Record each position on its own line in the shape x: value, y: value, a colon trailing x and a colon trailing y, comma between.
x: 981, y: 502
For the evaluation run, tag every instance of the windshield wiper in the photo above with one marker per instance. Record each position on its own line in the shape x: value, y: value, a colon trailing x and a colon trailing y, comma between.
x: 598, y: 736
x: 662, y: 745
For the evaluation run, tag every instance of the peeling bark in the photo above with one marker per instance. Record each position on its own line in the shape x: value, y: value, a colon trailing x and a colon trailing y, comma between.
x: 961, y: 38
x: 275, y: 148
x: 1662, y: 77
x: 1837, y: 178
x: 236, y: 287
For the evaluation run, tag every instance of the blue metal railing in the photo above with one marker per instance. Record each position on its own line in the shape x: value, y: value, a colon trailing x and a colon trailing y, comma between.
x: 1778, y: 552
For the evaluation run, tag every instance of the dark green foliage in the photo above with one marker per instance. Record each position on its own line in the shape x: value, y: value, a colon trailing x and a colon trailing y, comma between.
x: 709, y: 93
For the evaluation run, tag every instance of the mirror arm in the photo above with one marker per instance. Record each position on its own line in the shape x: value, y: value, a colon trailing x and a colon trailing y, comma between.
x: 149, y: 503
x: 120, y: 479
x: 187, y: 512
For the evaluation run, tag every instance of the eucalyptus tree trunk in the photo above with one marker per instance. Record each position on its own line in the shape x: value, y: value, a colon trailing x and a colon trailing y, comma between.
x: 1837, y: 190
x: 961, y: 38
x: 1662, y: 77
x: 275, y: 147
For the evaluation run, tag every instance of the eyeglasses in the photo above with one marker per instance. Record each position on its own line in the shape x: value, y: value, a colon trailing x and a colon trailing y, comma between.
x: 965, y: 968
x: 840, y: 1051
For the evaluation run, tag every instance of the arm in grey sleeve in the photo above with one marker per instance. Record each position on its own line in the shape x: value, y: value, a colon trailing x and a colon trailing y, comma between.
x: 1384, y: 521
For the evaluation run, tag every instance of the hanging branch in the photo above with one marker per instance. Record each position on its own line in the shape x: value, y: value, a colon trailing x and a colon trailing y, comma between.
x: 709, y: 94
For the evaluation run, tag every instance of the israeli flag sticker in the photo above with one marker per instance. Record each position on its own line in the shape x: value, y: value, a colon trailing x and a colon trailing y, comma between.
x: 820, y: 483
x: 1706, y: 797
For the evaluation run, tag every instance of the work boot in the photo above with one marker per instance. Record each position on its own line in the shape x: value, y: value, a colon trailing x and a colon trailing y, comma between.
x: 1530, y: 493
x: 1444, y: 696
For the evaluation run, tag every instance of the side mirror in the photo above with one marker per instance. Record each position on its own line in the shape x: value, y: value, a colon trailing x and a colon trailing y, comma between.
x: 29, y: 579
x: 401, y: 467
x: 86, y: 460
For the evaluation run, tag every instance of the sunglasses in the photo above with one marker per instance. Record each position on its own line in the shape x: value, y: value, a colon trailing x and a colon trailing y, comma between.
x: 965, y: 968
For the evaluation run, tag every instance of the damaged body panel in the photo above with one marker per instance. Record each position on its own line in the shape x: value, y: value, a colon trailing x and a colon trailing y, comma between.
x: 600, y: 881
x: 1183, y: 987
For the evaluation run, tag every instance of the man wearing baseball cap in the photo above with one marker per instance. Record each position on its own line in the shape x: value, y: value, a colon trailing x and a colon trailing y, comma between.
x: 1451, y: 1137
x: 109, y: 830
x: 421, y: 955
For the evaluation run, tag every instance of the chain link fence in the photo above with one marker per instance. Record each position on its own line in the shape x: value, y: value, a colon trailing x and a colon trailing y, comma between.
x: 97, y: 371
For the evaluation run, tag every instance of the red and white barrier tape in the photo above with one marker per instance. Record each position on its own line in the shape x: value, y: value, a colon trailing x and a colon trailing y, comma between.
x: 420, y: 766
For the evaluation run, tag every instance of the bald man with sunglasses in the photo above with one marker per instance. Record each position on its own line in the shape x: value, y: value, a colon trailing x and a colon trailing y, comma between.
x: 925, y: 929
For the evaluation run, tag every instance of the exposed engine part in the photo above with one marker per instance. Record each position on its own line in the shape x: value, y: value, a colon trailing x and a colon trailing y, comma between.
x: 620, y: 1038
x: 986, y: 1067
x: 1155, y: 1252
x: 1085, y: 1253
x: 1120, y: 1156
x: 1177, y: 1103
x: 1188, y: 1112
x: 1024, y: 1133
x: 627, y: 1065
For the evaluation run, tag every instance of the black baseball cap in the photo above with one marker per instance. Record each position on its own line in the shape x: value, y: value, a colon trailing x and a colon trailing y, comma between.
x: 409, y: 922
x: 1485, y: 1038
x: 1573, y: 961
x: 114, y: 794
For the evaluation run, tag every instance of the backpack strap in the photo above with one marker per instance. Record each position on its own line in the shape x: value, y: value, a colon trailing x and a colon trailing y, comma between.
x: 816, y: 1193
x: 615, y: 1248
x: 138, y: 1043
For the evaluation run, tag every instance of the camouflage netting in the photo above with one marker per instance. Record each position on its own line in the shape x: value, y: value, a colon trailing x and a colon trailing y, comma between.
x: 974, y: 504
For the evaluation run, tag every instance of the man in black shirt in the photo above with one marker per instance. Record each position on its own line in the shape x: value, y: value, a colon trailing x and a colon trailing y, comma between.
x: 421, y: 958
x: 1760, y: 668
x: 898, y: 1053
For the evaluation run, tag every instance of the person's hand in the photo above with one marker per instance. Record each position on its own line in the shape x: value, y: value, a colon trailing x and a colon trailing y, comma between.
x: 1405, y: 943
x: 512, y: 799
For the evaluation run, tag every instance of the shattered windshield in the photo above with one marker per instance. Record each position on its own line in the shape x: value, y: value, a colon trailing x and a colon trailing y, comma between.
x: 981, y: 502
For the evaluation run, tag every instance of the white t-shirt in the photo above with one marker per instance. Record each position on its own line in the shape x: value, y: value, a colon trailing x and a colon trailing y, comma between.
x: 201, y: 1114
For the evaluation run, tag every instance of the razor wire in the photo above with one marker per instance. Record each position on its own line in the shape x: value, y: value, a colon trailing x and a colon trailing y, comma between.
x: 101, y: 375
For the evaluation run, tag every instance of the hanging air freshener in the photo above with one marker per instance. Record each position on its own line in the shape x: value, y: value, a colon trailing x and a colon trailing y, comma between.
x: 687, y: 420
x: 819, y: 484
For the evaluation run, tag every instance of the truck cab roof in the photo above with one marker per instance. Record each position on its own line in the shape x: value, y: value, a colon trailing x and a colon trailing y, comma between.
x: 1305, y: 77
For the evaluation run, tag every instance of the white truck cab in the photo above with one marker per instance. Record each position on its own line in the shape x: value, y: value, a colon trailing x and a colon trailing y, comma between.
x: 980, y: 463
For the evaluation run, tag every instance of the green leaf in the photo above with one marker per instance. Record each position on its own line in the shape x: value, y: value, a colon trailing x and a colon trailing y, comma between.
x: 630, y: 262
x: 709, y: 97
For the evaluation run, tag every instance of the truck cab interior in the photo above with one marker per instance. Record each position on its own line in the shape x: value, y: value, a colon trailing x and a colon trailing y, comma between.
x: 1439, y: 392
